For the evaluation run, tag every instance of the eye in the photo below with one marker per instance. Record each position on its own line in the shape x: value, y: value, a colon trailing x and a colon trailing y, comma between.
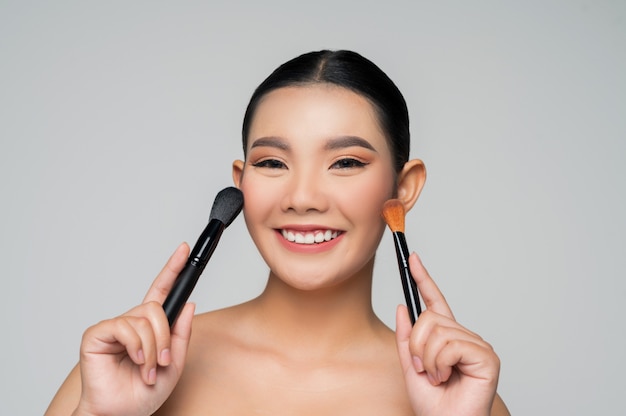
x: 347, y: 163
x: 270, y: 164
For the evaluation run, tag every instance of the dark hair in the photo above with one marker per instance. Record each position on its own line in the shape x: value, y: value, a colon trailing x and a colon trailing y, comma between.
x: 352, y: 71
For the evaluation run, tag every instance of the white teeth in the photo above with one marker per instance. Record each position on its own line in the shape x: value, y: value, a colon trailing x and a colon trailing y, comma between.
x: 309, y: 238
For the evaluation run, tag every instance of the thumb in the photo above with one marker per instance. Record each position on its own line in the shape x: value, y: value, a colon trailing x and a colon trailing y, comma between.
x: 181, y: 333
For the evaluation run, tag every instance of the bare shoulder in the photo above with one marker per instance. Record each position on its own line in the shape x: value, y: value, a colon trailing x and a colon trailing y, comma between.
x: 499, y: 408
x: 212, y: 355
x: 233, y: 368
x: 219, y: 322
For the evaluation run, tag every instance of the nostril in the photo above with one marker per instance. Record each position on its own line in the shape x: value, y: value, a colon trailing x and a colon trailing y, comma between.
x: 303, y: 203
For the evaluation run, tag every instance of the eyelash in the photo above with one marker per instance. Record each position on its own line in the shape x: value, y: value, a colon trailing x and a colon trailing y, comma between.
x: 345, y: 163
x: 348, y: 163
x: 270, y: 164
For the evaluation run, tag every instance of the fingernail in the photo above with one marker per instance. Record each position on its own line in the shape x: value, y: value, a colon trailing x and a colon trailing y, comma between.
x: 152, y: 376
x: 166, y: 356
x: 417, y: 363
x: 140, y: 357
x: 432, y: 380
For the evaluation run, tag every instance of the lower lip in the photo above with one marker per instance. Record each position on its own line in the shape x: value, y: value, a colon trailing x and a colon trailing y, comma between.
x: 308, y: 248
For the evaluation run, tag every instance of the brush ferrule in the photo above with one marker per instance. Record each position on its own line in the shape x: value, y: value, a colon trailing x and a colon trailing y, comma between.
x: 205, y: 246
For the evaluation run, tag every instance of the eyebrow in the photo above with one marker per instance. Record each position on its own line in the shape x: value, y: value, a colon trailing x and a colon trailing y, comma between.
x: 348, y: 141
x: 270, y: 142
x: 332, y: 144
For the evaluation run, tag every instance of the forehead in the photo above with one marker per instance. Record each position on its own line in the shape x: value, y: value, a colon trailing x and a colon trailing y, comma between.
x: 316, y: 111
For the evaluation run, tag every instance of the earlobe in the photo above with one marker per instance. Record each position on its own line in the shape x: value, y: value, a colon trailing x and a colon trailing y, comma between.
x: 410, y: 182
x: 238, y: 172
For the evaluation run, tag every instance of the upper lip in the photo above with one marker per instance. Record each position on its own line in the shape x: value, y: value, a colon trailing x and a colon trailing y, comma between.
x: 307, y: 228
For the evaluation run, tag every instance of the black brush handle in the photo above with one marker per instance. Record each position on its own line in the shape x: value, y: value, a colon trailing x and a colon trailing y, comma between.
x: 411, y: 295
x: 188, y: 277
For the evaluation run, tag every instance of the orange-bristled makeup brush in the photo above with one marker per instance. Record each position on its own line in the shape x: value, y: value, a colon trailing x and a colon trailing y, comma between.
x: 393, y: 212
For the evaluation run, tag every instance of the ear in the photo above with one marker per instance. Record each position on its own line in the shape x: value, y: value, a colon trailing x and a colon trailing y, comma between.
x: 238, y: 172
x: 410, y: 182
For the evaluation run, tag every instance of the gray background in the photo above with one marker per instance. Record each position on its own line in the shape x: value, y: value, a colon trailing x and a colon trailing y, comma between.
x: 119, y: 121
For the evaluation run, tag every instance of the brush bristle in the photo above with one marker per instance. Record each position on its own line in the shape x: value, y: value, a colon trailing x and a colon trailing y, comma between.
x: 393, y: 212
x: 227, y: 205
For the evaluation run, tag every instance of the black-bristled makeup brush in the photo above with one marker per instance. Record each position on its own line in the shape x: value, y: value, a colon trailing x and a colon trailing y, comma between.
x: 227, y: 206
x: 393, y: 212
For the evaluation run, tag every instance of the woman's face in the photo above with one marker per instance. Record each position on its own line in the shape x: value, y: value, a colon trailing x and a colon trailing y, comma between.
x: 317, y: 173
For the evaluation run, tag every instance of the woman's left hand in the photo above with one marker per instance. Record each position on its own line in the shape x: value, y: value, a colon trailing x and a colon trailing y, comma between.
x: 448, y: 369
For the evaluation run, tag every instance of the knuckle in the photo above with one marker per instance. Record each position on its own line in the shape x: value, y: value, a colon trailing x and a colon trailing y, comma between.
x: 439, y: 331
x: 456, y: 344
x: 153, y: 305
x: 141, y: 322
x: 427, y: 314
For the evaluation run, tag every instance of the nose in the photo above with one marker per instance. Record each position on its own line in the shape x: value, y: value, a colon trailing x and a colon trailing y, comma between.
x: 305, y: 192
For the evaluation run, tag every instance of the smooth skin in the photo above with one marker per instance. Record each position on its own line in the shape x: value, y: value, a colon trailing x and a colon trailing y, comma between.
x: 317, y: 160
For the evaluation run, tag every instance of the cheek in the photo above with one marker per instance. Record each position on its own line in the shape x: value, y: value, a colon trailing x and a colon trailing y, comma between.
x: 366, y: 198
x: 260, y: 200
x: 253, y: 201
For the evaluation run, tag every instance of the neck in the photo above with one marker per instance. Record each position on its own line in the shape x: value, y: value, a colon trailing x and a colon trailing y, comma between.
x: 321, y: 319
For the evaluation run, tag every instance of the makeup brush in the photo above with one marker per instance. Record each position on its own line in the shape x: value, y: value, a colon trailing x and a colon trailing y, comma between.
x: 227, y: 206
x: 393, y: 212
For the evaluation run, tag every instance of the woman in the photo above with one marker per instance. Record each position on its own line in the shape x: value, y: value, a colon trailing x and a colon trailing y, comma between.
x: 326, y: 143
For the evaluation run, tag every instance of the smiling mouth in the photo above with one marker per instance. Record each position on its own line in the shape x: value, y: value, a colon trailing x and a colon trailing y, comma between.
x: 310, y: 237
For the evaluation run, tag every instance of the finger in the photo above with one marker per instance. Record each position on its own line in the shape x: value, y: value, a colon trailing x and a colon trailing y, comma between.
x: 431, y: 326
x: 432, y: 296
x: 144, y: 329
x: 165, y: 279
x: 473, y: 359
x: 129, y: 334
x: 403, y: 335
x: 181, y: 333
x: 438, y: 364
x: 112, y: 336
x: 153, y: 312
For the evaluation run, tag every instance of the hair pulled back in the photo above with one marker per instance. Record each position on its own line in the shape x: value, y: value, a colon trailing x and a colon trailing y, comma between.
x: 349, y: 70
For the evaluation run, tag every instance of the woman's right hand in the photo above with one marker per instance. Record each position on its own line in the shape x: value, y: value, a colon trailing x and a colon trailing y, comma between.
x: 130, y: 364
